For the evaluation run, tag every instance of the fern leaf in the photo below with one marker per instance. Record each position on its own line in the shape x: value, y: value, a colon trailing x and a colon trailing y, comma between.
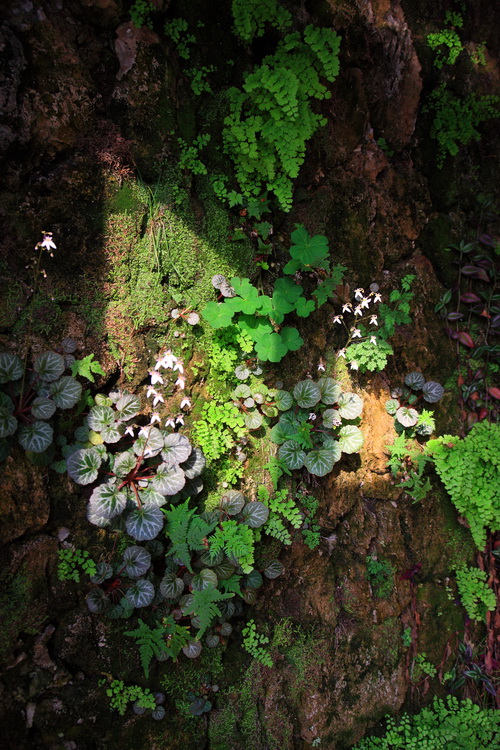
x: 178, y: 520
x: 204, y: 606
x: 150, y: 641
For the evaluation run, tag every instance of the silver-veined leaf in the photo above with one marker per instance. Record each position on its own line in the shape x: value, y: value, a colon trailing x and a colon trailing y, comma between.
x: 253, y: 580
x: 330, y: 391
x: 195, y: 464
x: 168, y: 480
x: 66, y: 392
x: 331, y: 418
x: 177, y: 449
x: 171, y: 587
x: 307, y: 393
x: 283, y: 400
x: 36, y: 437
x: 406, y: 416
x: 273, y: 569
x: 11, y: 367
x: 141, y: 593
x: 232, y: 502
x: 212, y: 640
x: 137, y: 561
x: 124, y: 463
x: 415, y: 380
x: 241, y: 391
x: 255, y: 514
x: 150, y: 496
x: 207, y: 560
x: 282, y: 431
x: 253, y: 420
x: 83, y: 465
x: 292, y: 455
x: 320, y: 461
x: 144, y: 523
x: 149, y: 442
x: 391, y: 406
x: 223, y: 570
x: 192, y: 649
x: 112, y: 433
x: 107, y: 501
x: 8, y: 423
x: 97, y: 601
x: 103, y: 571
x: 158, y: 713
x: 350, y: 438
x: 127, y: 406
x: 100, y: 417
x: 49, y: 366
x: 43, y: 408
x: 350, y: 405
x: 432, y: 391
x: 205, y: 579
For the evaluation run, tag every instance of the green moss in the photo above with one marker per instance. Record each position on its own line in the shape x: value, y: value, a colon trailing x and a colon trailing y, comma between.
x: 19, y: 609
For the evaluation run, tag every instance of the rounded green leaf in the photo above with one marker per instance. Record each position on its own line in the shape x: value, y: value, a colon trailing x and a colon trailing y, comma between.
x: 168, y: 480
x: 330, y: 391
x: 36, y: 437
x: 141, y: 593
x: 281, y: 432
x: 102, y: 573
x: 8, y: 423
x: 292, y: 455
x: 223, y: 569
x: 350, y: 405
x: 83, y: 465
x: 307, y: 394
x: 232, y: 502
x: 137, y: 561
x: 219, y: 315
x: 406, y: 416
x: 107, y: 501
x: 43, y: 408
x: 150, y: 496
x: 112, y: 433
x: 212, y: 640
x: 192, y: 649
x: 249, y: 596
x: 177, y: 449
x: 205, y: 579
x: 255, y: 514
x: 273, y: 569
x: 144, y: 523
x: 432, y: 391
x: 49, y: 366
x: 391, y: 406
x: 269, y: 411
x: 253, y: 580
x: 100, y: 417
x: 195, y: 464
x: 158, y: 713
x: 206, y: 559
x: 350, y: 439
x: 149, y: 442
x: 253, y: 420
x: 127, y: 406
x: 283, y: 400
x: 320, y: 461
x: 171, y: 587
x: 331, y: 418
x: 415, y: 380
x: 11, y: 367
x: 66, y: 392
x: 242, y: 372
x: 249, y: 402
x: 241, y: 391
x: 97, y: 601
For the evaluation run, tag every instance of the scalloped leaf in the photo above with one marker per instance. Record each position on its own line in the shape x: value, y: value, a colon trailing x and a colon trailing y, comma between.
x: 292, y: 455
x: 168, y: 480
x: 192, y: 649
x: 107, y: 501
x: 49, y: 366
x: 307, y: 393
x: 415, y: 381
x: 273, y: 569
x: 350, y: 438
x: 103, y: 571
x: 158, y: 713
x: 432, y: 391
x: 232, y: 502
x: 282, y: 431
x: 195, y: 464
x: 320, y: 461
x: 177, y: 449
x: 149, y: 442
x: 253, y: 580
x: 137, y: 561
x: 241, y: 391
x: 330, y: 391
x: 350, y: 406
x: 391, y: 406
x: 100, y: 417
x: 242, y: 372
x: 144, y: 523
x: 124, y: 463
x: 36, y: 437
x: 97, y: 601
x: 255, y: 514
x: 406, y: 416
x: 171, y: 587
x: 66, y: 392
x: 11, y: 367
x: 43, y: 408
x: 205, y: 579
x: 253, y: 420
x: 83, y: 465
x: 127, y: 406
x: 283, y: 400
x: 113, y: 433
x: 149, y: 496
x: 8, y: 423
x: 141, y: 593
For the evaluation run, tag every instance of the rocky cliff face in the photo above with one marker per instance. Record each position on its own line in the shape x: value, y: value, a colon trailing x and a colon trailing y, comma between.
x: 87, y: 100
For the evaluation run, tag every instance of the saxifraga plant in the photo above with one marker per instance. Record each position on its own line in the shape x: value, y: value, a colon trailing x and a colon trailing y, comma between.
x: 403, y: 401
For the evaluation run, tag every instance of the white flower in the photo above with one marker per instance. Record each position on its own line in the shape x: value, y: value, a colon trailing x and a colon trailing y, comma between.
x: 365, y: 302
x: 338, y: 318
x: 185, y: 403
x: 155, y: 377
x: 47, y: 241
x: 150, y: 392
x: 377, y: 297
x: 373, y: 320
x: 180, y: 383
x: 129, y: 430
x: 347, y: 307
x: 354, y: 365
x: 155, y: 417
x: 158, y: 397
x: 358, y: 310
x: 358, y: 293
x: 373, y: 340
x: 170, y: 422
x: 179, y: 366
x: 168, y: 360
x: 356, y: 333
x: 321, y: 367
x: 341, y: 353
x: 312, y: 416
x: 179, y: 419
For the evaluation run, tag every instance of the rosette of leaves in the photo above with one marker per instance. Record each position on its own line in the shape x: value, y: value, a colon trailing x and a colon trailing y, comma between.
x: 318, y: 424
x: 402, y: 401
x: 256, y: 402
x: 121, y: 587
x: 30, y: 398
x: 140, y: 478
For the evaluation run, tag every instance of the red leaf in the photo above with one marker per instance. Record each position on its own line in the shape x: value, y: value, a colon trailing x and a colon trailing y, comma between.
x: 465, y: 339
x: 460, y: 380
x: 471, y: 418
x: 470, y: 297
x: 483, y: 414
x: 495, y: 392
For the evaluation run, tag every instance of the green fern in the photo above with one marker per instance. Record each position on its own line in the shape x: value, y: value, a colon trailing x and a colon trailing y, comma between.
x: 151, y: 643
x: 175, y: 637
x: 204, y: 607
x: 186, y: 533
x: 236, y: 540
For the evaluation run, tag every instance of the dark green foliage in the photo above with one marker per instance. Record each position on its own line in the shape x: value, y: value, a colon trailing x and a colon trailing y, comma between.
x: 204, y: 607
x: 380, y: 573
x: 252, y: 16
x: 69, y: 562
x: 150, y: 641
x: 476, y: 596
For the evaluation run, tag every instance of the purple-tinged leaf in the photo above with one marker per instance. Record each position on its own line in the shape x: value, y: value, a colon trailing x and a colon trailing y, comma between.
x: 485, y: 239
x: 455, y: 316
x: 476, y: 272
x: 495, y: 323
x: 465, y: 339
x: 470, y: 297
x: 495, y: 392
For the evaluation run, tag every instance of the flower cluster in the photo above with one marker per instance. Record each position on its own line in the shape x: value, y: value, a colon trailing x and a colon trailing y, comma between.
x: 357, y: 330
x: 167, y: 361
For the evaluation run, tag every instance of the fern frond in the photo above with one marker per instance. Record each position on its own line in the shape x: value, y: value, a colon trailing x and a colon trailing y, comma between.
x: 204, y: 606
x: 150, y: 641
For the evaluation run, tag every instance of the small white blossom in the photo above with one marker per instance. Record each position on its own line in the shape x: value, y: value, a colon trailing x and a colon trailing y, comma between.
x: 321, y: 367
x: 170, y: 422
x: 373, y: 340
x: 312, y: 416
x: 365, y: 302
x: 185, y: 403
x: 347, y: 307
x: 179, y: 419
x: 358, y: 310
x: 358, y: 293
x: 373, y: 320
x: 377, y: 297
x: 158, y: 397
x: 341, y: 353
x: 155, y: 377
x: 129, y: 430
x: 180, y: 383
x: 356, y: 333
x: 150, y: 392
x: 168, y: 360
x: 155, y: 417
x: 48, y: 242
x: 338, y: 318
x: 354, y: 365
x: 179, y: 367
